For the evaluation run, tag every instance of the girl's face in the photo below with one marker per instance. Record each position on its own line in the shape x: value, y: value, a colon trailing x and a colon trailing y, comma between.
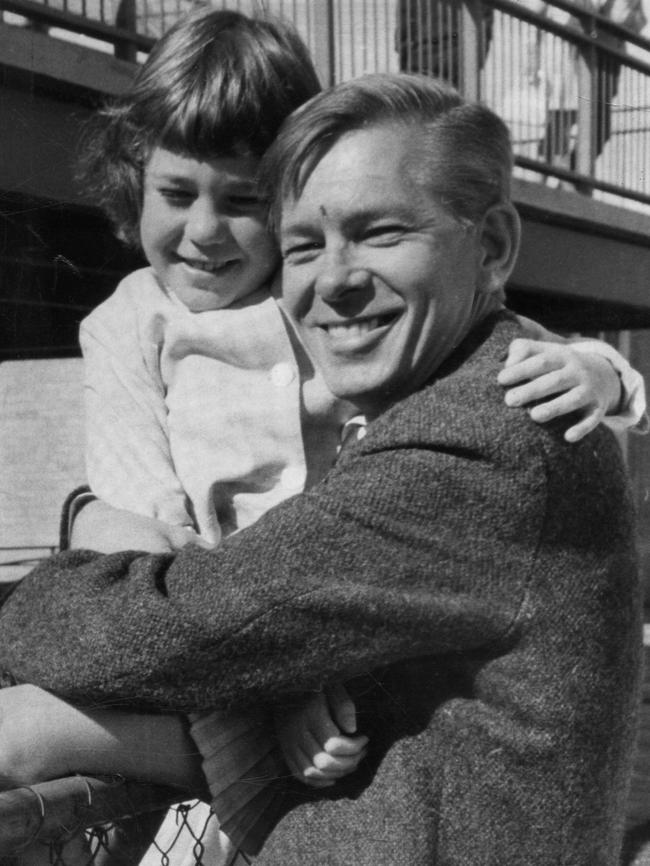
x: 203, y: 228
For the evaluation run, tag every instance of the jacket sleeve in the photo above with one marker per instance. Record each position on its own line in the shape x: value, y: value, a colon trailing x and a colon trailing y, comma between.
x: 372, y: 566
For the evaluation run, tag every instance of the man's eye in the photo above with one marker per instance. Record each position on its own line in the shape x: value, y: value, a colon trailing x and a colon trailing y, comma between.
x: 384, y: 234
x: 302, y: 252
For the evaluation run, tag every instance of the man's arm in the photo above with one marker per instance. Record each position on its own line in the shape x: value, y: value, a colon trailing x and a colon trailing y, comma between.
x: 370, y: 567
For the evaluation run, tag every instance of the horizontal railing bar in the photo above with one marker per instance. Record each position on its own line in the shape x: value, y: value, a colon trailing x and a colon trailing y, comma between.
x: 32, y: 560
x: 78, y: 23
x: 604, y: 23
x: 28, y: 547
x: 52, y: 305
x: 47, y: 812
x: 585, y: 180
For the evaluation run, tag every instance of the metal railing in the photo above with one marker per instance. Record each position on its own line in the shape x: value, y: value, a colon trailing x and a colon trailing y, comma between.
x: 574, y: 89
x: 573, y: 86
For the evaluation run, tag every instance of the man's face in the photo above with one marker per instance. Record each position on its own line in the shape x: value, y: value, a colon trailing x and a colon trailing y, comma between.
x: 378, y: 274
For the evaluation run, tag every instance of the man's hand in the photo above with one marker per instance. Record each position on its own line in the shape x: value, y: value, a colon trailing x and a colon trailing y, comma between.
x: 560, y: 381
x: 318, y: 738
x: 101, y: 527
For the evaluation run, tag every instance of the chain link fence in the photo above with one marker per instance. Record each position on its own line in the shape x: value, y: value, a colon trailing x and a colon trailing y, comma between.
x: 108, y: 821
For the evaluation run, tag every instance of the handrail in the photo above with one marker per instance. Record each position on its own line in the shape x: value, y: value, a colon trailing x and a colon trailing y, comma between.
x: 519, y: 11
x: 114, y: 34
x: 54, y: 811
x: 575, y: 177
x: 575, y: 35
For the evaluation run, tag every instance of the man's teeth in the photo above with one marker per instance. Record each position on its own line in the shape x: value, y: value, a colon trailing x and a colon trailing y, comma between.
x: 353, y: 329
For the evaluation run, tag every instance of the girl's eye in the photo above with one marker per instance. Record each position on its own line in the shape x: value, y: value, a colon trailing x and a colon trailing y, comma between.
x: 174, y: 195
x: 245, y: 201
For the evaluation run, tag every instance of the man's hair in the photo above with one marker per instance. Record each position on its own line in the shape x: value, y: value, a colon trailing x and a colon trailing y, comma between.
x: 217, y: 84
x: 465, y: 155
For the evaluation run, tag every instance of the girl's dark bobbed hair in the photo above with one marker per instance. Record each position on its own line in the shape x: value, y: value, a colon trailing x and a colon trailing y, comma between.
x: 216, y: 84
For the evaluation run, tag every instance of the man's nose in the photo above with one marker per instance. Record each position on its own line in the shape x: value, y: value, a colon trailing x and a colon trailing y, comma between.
x: 341, y: 275
x: 206, y: 225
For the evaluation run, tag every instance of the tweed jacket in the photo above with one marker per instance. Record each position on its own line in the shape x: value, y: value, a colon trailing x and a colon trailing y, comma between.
x: 473, y: 577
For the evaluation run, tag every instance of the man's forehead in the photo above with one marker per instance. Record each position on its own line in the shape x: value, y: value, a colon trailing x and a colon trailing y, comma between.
x: 367, y: 169
x: 374, y: 148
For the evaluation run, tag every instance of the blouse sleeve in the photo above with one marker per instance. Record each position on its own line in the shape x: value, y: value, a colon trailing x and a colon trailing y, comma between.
x: 129, y: 463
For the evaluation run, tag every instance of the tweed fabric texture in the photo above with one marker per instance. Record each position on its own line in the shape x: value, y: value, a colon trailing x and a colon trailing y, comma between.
x: 468, y: 573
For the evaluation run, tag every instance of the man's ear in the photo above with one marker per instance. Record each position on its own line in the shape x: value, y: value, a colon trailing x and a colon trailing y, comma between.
x: 499, y: 234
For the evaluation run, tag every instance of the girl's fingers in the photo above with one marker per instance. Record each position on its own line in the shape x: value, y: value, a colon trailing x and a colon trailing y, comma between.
x: 539, y: 389
x: 342, y: 708
x: 330, y: 767
x: 342, y: 747
x: 520, y: 349
x: 580, y: 430
x: 531, y: 368
x: 564, y: 404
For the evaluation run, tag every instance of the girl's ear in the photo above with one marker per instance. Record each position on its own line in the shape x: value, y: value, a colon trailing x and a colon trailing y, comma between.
x: 499, y: 238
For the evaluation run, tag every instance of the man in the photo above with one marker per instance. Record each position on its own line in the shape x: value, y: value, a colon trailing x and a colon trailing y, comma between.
x: 468, y: 574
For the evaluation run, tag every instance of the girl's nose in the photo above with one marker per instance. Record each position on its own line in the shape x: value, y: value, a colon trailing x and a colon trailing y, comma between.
x: 206, y: 225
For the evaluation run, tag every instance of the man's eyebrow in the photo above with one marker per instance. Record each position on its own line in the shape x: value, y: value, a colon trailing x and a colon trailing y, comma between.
x: 301, y: 230
x: 380, y: 212
x: 357, y: 217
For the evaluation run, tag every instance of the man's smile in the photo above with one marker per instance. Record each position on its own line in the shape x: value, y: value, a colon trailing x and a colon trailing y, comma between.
x: 357, y: 333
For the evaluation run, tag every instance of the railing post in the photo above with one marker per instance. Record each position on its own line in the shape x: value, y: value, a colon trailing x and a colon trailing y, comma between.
x: 126, y: 19
x: 471, y: 38
x: 587, y: 63
x: 323, y: 48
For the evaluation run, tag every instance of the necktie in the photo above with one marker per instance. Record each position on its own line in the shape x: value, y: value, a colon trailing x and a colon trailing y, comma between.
x: 353, y: 431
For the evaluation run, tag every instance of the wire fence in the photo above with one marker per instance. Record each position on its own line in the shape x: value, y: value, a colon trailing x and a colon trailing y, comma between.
x: 106, y: 821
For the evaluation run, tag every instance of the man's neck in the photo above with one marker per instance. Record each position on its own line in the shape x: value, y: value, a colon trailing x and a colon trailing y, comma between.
x: 484, y: 305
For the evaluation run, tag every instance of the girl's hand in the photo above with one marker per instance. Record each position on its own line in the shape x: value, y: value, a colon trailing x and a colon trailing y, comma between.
x: 560, y: 381
x: 318, y: 738
x: 101, y: 527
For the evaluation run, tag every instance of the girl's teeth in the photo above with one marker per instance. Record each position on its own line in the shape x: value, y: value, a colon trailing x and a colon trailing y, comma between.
x: 208, y: 267
x: 354, y: 329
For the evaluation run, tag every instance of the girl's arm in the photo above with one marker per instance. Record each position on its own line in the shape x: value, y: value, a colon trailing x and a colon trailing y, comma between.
x: 42, y: 737
x: 128, y: 454
x: 101, y: 527
x: 588, y: 378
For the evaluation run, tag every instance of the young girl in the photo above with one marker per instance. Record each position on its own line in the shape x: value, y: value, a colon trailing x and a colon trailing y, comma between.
x: 203, y: 410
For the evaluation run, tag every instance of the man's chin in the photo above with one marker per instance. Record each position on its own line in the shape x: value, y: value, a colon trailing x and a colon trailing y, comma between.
x: 357, y: 386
